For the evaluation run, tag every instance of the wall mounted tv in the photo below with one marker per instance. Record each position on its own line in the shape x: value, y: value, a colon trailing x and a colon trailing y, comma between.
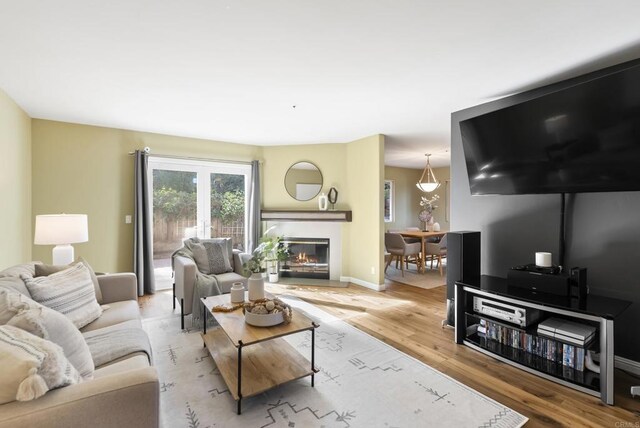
x: 581, y: 135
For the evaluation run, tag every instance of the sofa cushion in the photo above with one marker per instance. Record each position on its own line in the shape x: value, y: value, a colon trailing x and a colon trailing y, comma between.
x: 138, y: 360
x: 30, y: 366
x: 226, y: 280
x: 118, y: 312
x: 112, y: 343
x: 70, y: 292
x: 46, y: 270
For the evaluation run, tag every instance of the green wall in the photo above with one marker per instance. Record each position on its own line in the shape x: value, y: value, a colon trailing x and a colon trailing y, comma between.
x: 87, y: 170
x: 15, y: 183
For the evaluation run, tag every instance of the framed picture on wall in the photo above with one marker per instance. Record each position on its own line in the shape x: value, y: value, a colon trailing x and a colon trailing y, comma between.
x: 389, y: 186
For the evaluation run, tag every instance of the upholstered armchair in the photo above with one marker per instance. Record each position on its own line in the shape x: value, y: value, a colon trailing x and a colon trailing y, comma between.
x: 400, y: 249
x: 184, y: 275
x: 437, y: 251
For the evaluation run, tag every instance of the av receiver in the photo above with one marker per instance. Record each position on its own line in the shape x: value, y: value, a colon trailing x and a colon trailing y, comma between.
x: 520, y: 316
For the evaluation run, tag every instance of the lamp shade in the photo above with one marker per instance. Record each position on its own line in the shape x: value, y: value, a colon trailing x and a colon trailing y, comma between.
x: 427, y: 187
x: 58, y: 229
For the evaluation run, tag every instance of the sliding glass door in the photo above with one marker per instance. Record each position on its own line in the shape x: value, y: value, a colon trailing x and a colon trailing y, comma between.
x: 195, y: 199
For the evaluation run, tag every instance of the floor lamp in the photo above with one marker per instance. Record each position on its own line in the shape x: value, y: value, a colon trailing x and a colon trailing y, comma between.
x: 61, y: 230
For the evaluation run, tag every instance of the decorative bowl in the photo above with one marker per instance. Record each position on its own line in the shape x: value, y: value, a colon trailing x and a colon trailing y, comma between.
x: 263, y: 320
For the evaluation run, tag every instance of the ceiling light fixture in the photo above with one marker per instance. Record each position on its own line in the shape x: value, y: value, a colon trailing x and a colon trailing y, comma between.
x: 431, y: 183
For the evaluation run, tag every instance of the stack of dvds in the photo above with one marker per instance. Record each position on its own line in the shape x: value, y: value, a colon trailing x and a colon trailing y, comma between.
x: 554, y: 351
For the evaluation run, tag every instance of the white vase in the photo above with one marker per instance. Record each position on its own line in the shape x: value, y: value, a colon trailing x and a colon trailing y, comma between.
x: 237, y: 292
x: 323, y: 202
x: 436, y: 227
x: 256, y: 286
x: 274, y: 277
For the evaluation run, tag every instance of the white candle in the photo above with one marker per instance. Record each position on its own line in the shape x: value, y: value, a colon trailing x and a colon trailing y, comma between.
x: 543, y: 259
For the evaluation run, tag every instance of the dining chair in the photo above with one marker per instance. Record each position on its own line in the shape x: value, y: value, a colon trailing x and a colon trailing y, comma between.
x: 436, y: 250
x: 410, y: 240
x: 400, y: 249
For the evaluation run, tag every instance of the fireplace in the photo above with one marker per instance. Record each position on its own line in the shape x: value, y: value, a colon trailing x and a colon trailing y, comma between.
x: 309, y: 258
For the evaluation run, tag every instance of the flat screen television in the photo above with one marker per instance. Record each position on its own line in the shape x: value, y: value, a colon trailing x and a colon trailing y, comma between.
x: 584, y: 137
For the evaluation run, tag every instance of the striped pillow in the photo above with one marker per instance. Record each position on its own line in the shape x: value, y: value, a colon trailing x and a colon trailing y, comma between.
x: 69, y: 292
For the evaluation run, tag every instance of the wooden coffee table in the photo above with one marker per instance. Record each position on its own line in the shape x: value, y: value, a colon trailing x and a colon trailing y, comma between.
x: 268, y: 360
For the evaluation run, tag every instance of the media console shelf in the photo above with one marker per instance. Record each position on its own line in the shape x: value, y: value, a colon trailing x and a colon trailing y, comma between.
x: 596, y: 311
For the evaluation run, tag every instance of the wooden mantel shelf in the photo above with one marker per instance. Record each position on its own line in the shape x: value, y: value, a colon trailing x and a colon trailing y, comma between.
x: 301, y: 215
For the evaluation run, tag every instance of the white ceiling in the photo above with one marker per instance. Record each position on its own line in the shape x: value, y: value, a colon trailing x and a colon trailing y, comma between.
x: 233, y: 70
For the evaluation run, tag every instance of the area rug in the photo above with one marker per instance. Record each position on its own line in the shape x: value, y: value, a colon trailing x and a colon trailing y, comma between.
x: 430, y: 279
x: 362, y: 383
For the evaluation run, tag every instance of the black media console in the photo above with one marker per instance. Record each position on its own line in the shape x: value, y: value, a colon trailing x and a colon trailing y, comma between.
x: 521, y: 345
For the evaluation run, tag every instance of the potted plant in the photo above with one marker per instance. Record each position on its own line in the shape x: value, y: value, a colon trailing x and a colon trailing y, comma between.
x: 274, y: 252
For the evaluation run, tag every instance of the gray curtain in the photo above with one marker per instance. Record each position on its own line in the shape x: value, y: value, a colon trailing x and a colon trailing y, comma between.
x: 142, y: 228
x: 254, y: 207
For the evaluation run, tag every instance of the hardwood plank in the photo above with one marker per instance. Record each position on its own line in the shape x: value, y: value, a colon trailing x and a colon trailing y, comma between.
x: 409, y: 319
x: 265, y: 365
x: 407, y: 308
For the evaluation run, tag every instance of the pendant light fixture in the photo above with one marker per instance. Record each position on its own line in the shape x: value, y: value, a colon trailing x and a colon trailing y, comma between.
x: 428, y: 183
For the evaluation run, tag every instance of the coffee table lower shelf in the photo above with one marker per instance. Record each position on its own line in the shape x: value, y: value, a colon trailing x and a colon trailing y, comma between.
x: 265, y: 365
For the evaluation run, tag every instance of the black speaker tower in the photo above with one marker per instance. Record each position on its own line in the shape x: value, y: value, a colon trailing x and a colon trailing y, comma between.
x: 463, y: 264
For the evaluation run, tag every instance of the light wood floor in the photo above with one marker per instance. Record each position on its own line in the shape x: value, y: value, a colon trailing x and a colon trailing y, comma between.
x: 409, y: 319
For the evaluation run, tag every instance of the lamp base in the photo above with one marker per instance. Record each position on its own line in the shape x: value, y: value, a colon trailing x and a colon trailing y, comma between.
x: 62, y: 254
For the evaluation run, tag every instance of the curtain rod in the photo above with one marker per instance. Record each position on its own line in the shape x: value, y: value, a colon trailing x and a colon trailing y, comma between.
x: 194, y: 158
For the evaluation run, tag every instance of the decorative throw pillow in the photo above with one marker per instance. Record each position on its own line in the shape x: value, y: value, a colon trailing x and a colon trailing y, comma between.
x: 211, y: 257
x: 46, y: 270
x: 226, y: 242
x: 31, y: 366
x: 70, y: 292
x: 14, y: 284
x: 200, y: 257
x: 17, y: 271
x: 11, y: 302
x: 51, y: 325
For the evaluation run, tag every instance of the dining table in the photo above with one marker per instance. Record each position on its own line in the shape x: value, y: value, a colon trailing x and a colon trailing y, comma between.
x: 423, y: 235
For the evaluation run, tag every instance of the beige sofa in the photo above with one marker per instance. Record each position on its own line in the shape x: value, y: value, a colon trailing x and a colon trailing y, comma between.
x: 123, y: 393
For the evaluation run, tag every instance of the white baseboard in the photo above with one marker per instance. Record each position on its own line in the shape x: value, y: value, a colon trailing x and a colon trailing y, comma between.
x: 628, y: 365
x: 366, y: 284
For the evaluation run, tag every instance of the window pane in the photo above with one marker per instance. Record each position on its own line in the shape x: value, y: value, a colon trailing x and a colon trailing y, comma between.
x: 174, y: 210
x: 228, y: 207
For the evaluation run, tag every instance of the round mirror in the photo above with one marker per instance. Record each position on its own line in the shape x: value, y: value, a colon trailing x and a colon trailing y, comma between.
x: 303, y: 181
